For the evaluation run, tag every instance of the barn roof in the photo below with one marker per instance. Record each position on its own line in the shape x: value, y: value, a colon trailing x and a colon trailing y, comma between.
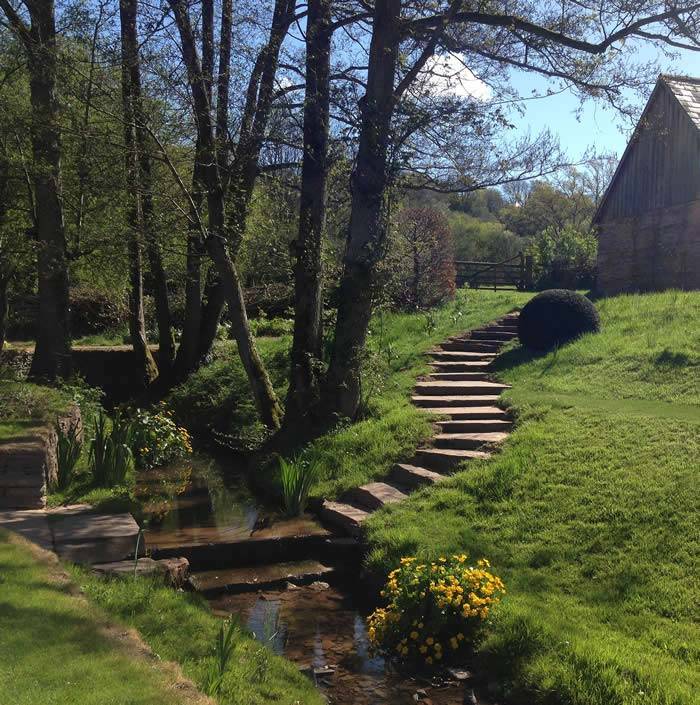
x: 686, y: 90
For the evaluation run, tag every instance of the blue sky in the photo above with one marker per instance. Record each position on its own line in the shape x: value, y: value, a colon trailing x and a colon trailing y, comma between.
x: 597, y: 125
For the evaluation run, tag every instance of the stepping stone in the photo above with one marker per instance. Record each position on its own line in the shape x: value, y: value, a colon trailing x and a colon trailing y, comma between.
x: 468, y: 441
x: 457, y: 376
x: 445, y: 459
x: 262, y: 577
x: 469, y: 412
x: 475, y: 425
x: 461, y: 356
x: 482, y: 346
x: 345, y: 516
x: 174, y: 570
x: 82, y: 536
x: 454, y: 388
x: 458, y: 400
x: 374, y: 495
x: 414, y: 476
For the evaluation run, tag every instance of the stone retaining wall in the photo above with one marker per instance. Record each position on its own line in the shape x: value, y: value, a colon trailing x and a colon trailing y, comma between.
x: 28, y: 464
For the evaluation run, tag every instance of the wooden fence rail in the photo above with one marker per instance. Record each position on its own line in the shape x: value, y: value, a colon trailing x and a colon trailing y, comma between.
x: 513, y: 273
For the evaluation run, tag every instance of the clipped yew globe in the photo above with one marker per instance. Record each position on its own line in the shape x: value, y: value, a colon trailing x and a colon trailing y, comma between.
x: 555, y: 317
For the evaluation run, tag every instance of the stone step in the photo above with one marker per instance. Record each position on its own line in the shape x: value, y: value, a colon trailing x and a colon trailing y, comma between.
x: 413, y: 475
x: 262, y: 577
x: 447, y: 366
x: 475, y: 426
x: 469, y: 412
x: 83, y: 536
x: 466, y: 345
x: 174, y: 570
x: 456, y: 400
x: 468, y: 441
x: 344, y: 516
x: 457, y: 376
x: 493, y: 334
x: 374, y: 495
x: 445, y: 459
x: 466, y: 388
x: 460, y: 356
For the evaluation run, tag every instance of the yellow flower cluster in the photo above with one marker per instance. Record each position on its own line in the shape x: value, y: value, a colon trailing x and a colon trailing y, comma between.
x: 433, y: 608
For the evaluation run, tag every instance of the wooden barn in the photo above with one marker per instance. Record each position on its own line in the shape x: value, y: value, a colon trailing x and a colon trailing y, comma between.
x: 649, y: 219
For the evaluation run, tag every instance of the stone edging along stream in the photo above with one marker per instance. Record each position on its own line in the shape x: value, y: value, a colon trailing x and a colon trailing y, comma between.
x: 471, y: 425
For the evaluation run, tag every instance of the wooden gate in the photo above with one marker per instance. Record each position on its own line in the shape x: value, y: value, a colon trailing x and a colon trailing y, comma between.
x: 513, y: 273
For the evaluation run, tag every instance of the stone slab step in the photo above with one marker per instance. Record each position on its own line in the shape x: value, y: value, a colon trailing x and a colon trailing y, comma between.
x: 468, y: 441
x: 467, y: 388
x: 447, y: 366
x: 413, y: 475
x: 82, y: 536
x: 482, y: 346
x: 461, y: 356
x: 445, y: 459
x: 453, y: 400
x: 33, y: 524
x: 254, y: 578
x: 469, y: 412
x: 345, y: 516
x: 374, y: 495
x: 475, y: 425
x: 174, y: 570
x: 493, y: 334
x: 457, y: 376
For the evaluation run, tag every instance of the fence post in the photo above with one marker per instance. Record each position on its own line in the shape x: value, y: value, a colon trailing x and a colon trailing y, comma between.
x: 528, y: 276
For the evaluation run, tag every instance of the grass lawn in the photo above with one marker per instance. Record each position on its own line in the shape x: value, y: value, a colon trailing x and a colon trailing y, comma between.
x: 590, y: 513
x: 58, y: 649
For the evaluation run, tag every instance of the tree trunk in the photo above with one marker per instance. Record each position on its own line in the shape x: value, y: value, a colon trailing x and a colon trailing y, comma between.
x: 4, y: 309
x: 212, y: 308
x: 307, y: 341
x: 263, y: 392
x: 367, y: 230
x: 137, y: 328
x: 52, y: 353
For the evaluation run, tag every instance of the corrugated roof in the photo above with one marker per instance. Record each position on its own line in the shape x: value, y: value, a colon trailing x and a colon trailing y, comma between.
x: 687, y: 91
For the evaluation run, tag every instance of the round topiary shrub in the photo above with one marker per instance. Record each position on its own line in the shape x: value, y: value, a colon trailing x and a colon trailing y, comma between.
x: 555, y: 317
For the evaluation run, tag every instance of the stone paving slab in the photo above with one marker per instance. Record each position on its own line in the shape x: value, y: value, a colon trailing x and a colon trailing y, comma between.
x: 33, y: 524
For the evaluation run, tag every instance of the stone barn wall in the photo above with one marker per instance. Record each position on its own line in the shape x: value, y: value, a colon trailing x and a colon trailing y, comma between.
x: 655, y: 251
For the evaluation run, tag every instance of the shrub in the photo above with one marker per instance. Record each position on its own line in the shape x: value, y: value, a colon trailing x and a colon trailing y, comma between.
x: 296, y: 479
x: 435, y: 610
x: 111, y: 457
x: 68, y: 449
x: 555, y: 317
x: 157, y: 439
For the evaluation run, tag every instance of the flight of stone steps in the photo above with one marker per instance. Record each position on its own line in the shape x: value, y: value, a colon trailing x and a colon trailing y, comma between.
x: 471, y: 424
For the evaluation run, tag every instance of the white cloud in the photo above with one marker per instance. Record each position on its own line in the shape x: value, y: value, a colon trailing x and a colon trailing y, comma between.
x: 446, y: 75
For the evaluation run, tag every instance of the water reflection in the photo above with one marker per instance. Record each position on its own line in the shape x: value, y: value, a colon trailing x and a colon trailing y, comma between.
x: 322, y: 629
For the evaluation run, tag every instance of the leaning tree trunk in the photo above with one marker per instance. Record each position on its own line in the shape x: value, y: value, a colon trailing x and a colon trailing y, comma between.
x: 52, y: 353
x: 306, y: 363
x: 137, y: 329
x: 213, y: 302
x: 265, y: 398
x: 4, y: 308
x: 367, y: 231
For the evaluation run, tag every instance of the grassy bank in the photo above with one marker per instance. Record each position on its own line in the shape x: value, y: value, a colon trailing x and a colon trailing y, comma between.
x: 59, y: 649
x: 590, y: 513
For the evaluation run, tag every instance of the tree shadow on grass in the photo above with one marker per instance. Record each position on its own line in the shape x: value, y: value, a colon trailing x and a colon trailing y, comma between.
x: 520, y: 355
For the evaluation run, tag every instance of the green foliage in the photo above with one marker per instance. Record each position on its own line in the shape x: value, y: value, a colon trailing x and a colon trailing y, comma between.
x: 565, y: 257
x: 555, y: 317
x: 156, y: 439
x: 111, y: 457
x: 68, y: 449
x: 590, y: 512
x: 483, y: 240
x: 296, y: 480
x: 224, y: 646
x: 271, y: 327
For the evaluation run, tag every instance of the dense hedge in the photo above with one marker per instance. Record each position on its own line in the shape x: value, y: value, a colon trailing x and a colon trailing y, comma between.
x: 555, y: 317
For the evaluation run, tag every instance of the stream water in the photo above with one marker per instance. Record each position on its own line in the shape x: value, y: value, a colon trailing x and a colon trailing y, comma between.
x: 320, y: 627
